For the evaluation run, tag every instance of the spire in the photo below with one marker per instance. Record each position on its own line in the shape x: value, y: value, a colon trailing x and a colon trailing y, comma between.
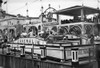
x: 82, y: 4
x: 98, y: 4
x: 41, y: 9
x: 59, y: 6
x: 49, y: 5
x: 27, y: 9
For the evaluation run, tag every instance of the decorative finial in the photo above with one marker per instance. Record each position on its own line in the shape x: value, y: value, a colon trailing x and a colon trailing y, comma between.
x: 82, y: 4
x: 98, y: 4
x: 27, y: 10
x: 98, y: 8
x: 42, y: 9
x: 49, y: 5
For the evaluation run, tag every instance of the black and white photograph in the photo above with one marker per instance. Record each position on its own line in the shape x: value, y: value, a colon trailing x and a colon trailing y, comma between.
x: 49, y: 33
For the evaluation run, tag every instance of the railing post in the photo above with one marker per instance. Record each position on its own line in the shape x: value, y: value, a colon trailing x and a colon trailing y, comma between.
x: 75, y: 59
x: 43, y: 52
x: 89, y: 55
x: 15, y: 51
x: 32, y: 51
x: 22, y: 51
x: 2, y: 50
x: 8, y: 49
x: 97, y: 52
x: 63, y: 54
x: 80, y: 41
x: 3, y: 46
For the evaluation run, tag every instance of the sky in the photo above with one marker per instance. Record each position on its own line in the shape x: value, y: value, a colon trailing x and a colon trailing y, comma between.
x: 34, y: 6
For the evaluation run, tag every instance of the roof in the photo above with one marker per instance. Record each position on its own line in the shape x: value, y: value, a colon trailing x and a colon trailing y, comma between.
x: 47, y: 10
x: 76, y: 11
x: 6, y: 14
x: 32, y: 17
x: 11, y: 19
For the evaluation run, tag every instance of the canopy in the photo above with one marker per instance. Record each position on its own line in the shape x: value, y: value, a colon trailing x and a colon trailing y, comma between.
x: 76, y: 11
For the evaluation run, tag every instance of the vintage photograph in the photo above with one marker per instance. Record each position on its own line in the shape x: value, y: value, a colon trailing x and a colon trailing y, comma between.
x: 49, y: 33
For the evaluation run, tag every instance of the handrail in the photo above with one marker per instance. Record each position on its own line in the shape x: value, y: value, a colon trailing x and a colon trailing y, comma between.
x: 52, y: 45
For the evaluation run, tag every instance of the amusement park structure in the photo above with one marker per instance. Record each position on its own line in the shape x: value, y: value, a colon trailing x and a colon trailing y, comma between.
x: 61, y: 40
x: 84, y: 24
x: 53, y: 38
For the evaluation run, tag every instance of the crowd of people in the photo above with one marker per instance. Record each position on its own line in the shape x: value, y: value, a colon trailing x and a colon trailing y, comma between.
x: 93, y: 19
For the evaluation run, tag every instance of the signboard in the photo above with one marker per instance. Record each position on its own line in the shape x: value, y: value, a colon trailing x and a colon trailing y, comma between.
x: 74, y: 54
x: 50, y: 24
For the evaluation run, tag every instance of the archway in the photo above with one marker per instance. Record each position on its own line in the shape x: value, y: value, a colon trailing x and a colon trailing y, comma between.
x: 96, y: 30
x: 39, y: 27
x: 34, y: 30
x: 54, y: 28
x: 63, y: 31
x: 12, y: 32
x: 75, y: 30
x: 48, y: 16
x: 88, y: 29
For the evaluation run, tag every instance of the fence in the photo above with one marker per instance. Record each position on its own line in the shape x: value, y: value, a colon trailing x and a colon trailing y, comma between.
x: 64, y: 49
x: 8, y: 61
x: 19, y: 62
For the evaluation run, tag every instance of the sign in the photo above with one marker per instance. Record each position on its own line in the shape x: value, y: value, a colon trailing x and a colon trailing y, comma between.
x: 50, y: 24
x: 74, y: 54
x: 75, y: 58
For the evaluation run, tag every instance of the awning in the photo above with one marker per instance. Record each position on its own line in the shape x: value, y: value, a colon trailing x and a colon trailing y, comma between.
x: 76, y: 11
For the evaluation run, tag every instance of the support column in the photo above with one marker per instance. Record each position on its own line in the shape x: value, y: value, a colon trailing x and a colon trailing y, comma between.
x: 32, y: 51
x: 43, y: 52
x: 63, y: 54
x: 22, y: 51
x: 3, y: 47
x: 58, y: 19
x: 8, y: 50
x: 82, y: 14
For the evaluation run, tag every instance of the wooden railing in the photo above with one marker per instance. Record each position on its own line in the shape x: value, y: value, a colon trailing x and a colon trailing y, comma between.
x: 19, y: 62
x: 85, y: 50
x: 12, y: 61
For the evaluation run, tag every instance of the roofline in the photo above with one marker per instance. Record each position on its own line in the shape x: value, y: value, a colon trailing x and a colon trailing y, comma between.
x: 12, y: 18
x: 71, y: 8
x: 10, y: 15
x: 32, y: 18
x: 17, y: 18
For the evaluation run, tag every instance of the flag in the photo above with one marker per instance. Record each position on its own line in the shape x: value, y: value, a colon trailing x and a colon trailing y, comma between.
x: 5, y: 2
